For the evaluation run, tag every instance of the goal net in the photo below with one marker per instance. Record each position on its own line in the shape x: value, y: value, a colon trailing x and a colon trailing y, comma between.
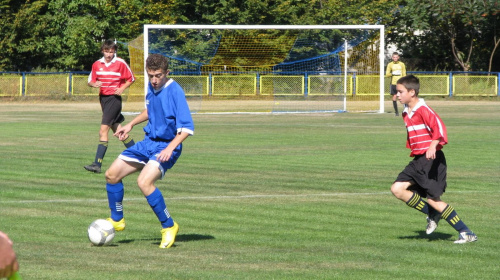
x: 243, y: 68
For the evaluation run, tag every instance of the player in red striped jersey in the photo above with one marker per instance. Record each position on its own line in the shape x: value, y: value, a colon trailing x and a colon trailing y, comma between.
x: 112, y: 76
x: 425, y: 175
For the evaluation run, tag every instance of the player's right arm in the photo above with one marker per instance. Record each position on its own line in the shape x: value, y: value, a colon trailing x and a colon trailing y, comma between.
x: 122, y: 132
x: 96, y: 84
x: 388, y: 70
x: 92, y: 80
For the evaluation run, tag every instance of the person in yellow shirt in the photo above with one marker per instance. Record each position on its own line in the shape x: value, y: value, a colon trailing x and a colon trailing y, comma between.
x: 395, y: 69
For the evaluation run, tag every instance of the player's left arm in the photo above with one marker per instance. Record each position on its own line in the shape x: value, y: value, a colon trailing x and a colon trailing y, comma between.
x: 123, y: 87
x: 437, y: 131
x: 128, y: 76
x: 403, y: 69
x: 167, y: 152
x: 431, y: 152
x: 184, y: 123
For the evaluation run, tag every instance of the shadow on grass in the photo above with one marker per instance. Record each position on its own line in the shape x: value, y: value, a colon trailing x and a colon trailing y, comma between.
x: 435, y: 236
x: 179, y: 238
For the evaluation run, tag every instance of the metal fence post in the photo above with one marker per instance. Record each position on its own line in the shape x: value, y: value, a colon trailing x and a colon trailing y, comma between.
x: 210, y: 84
x: 70, y: 84
x: 450, y: 82
x: 257, y: 82
x: 305, y: 85
x: 354, y: 84
x: 23, y: 90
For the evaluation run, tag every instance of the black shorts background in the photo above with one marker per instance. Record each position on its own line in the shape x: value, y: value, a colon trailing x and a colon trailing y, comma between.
x: 394, y: 91
x: 111, y: 106
x: 428, y: 177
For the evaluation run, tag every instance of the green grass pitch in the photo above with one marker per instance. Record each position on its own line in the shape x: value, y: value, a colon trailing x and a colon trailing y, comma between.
x: 261, y: 196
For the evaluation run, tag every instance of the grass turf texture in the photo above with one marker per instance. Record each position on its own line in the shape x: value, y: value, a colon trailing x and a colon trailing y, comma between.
x: 256, y: 197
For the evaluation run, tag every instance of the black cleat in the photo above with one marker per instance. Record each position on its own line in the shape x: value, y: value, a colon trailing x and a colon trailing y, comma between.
x: 94, y: 167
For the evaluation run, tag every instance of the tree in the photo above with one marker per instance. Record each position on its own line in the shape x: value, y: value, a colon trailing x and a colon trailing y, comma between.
x: 462, y: 28
x: 494, y: 30
x: 297, y: 12
x: 22, y: 27
x: 77, y: 29
x: 293, y: 12
x: 66, y: 35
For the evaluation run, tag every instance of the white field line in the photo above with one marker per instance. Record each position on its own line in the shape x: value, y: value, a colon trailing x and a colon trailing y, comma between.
x: 222, y: 197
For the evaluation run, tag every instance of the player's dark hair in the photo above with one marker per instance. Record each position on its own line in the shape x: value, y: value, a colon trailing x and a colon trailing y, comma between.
x: 395, y: 53
x: 410, y: 82
x: 109, y: 45
x: 157, y: 62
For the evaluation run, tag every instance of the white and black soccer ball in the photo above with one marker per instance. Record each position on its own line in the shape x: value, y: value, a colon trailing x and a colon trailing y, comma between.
x: 101, y: 232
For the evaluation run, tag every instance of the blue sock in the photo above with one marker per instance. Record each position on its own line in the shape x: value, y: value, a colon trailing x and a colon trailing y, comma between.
x: 158, y: 205
x: 115, y: 199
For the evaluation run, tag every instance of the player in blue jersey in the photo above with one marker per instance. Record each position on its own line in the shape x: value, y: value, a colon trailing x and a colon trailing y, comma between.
x: 169, y: 124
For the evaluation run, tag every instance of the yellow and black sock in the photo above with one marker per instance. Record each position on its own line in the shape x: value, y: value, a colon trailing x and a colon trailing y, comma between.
x: 450, y: 215
x: 101, y: 151
x: 129, y: 142
x: 418, y: 203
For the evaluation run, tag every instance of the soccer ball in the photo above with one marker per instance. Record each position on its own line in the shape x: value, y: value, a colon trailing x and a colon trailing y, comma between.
x: 101, y: 232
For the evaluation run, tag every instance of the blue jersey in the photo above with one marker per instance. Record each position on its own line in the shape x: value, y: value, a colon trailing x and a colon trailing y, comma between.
x: 168, y: 112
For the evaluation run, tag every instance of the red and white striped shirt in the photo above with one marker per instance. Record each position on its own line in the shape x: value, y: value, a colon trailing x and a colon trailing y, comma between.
x: 112, y: 75
x: 423, y: 126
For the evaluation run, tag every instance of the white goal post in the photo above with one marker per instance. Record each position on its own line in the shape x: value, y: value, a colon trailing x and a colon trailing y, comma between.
x: 380, y: 28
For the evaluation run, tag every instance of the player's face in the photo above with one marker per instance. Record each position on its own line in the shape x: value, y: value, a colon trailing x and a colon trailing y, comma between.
x: 157, y: 78
x: 109, y: 54
x: 395, y: 57
x: 404, y: 95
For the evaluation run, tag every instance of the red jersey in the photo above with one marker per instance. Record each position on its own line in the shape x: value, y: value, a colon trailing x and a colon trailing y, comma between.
x: 423, y: 126
x: 112, y: 75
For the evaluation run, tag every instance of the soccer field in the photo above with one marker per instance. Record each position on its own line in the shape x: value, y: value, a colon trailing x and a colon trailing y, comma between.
x: 256, y: 196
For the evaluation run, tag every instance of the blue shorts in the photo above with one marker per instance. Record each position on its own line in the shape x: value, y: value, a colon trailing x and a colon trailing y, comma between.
x: 147, y: 151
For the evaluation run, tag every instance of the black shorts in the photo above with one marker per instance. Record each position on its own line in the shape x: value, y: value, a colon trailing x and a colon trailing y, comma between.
x: 428, y: 177
x: 394, y: 91
x: 111, y: 106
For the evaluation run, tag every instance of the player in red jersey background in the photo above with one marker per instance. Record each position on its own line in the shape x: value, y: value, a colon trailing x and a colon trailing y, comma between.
x: 112, y: 76
x: 425, y: 175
